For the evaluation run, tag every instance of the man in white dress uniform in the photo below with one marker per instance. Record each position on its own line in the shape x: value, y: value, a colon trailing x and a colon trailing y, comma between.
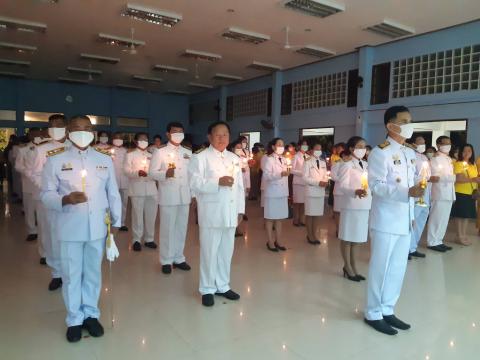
x: 391, y: 175
x: 443, y: 195
x: 216, y: 180
x: 169, y: 166
x: 119, y: 153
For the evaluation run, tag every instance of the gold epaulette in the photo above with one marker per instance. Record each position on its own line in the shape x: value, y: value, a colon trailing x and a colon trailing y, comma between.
x: 411, y: 146
x: 103, y: 151
x: 56, y: 151
x: 45, y: 142
x: 199, y: 150
x: 384, y: 145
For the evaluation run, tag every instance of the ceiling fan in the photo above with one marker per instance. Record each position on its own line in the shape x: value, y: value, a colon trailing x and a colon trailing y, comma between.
x: 287, y: 45
x: 132, y: 50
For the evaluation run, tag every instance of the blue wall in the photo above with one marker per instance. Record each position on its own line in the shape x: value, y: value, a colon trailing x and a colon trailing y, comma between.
x: 43, y: 96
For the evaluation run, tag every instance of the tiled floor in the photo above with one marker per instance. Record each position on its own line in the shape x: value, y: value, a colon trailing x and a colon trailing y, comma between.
x: 294, y: 305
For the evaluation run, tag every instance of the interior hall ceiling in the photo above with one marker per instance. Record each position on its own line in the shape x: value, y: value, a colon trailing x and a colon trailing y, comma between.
x: 73, y: 28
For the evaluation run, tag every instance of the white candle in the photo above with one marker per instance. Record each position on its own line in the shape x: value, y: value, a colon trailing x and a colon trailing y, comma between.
x: 83, y: 174
x: 364, y: 180
x: 144, y: 162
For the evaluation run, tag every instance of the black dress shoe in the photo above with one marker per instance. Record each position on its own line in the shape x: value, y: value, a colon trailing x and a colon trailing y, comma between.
x: 43, y: 261
x: 437, y: 248
x: 302, y: 224
x: 281, y: 248
x: 417, y: 254
x: 346, y: 275
x: 297, y: 224
x: 245, y: 218
x: 151, y: 245
x: 274, y: 249
x: 395, y: 322
x: 55, y: 283
x: 238, y: 234
x: 136, y: 246
x: 381, y: 326
x: 123, y: 228
x: 230, y: 295
x: 409, y: 257
x: 311, y: 242
x: 167, y: 269
x: 182, y: 266
x: 317, y: 242
x: 32, y: 237
x: 360, y: 277
x: 93, y: 327
x: 74, y: 333
x: 207, y: 300
x: 446, y: 247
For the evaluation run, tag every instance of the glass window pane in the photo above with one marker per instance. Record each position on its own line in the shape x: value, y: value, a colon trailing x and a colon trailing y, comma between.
x: 8, y: 115
x: 132, y: 122
x: 99, y: 120
x: 37, y: 116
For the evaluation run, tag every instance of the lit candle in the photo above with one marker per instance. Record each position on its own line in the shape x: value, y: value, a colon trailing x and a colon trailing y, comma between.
x: 83, y: 174
x: 231, y: 170
x: 364, y: 181
x: 171, y: 164
x: 423, y: 183
x: 144, y: 163
x: 328, y: 175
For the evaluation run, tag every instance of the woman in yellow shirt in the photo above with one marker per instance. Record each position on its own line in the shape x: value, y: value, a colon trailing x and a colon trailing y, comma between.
x: 467, y: 181
x: 478, y: 201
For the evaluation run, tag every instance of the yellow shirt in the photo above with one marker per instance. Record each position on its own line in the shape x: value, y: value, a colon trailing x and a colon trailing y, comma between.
x: 334, y: 158
x: 464, y: 168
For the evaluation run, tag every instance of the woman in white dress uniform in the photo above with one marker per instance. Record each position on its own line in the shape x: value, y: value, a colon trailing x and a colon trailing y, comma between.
x: 275, y: 175
x: 299, y: 184
x: 243, y: 154
x: 315, y: 177
x: 356, y: 204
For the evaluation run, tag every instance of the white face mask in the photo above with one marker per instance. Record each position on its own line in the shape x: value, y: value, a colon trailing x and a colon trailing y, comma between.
x: 103, y: 139
x: 304, y: 148
x: 279, y: 150
x: 429, y: 155
x: 244, y: 145
x: 56, y: 133
x: 239, y: 152
x: 317, y: 153
x: 421, y: 148
x: 37, y: 140
x: 445, y: 149
x: 406, y: 130
x: 81, y: 138
x: 359, y: 153
x: 177, y: 138
x: 117, y: 142
x: 142, y: 144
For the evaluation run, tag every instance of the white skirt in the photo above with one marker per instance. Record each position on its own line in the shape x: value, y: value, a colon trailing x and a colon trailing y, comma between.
x: 275, y: 208
x: 298, y: 194
x: 353, y: 225
x: 337, y: 203
x: 262, y: 199
x: 314, y: 206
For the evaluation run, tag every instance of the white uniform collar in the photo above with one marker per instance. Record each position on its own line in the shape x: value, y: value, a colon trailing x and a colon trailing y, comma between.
x: 395, y: 143
x: 172, y: 147
x: 221, y: 154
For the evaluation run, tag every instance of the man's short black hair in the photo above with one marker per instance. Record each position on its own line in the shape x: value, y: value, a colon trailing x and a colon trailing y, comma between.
x: 83, y: 117
x: 137, y: 135
x: 174, y: 124
x: 157, y: 137
x: 392, y: 112
x: 215, y: 124
x: 57, y: 117
x: 441, y: 138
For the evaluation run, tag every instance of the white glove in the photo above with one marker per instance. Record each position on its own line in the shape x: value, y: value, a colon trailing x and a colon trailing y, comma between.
x: 112, y: 251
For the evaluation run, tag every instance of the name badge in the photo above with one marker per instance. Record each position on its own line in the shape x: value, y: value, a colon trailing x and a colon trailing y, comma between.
x: 396, y: 160
x: 67, y: 167
x: 102, y: 167
x: 186, y: 156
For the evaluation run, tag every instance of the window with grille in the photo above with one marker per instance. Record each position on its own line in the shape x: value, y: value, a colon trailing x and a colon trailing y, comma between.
x: 322, y: 91
x: 437, y: 73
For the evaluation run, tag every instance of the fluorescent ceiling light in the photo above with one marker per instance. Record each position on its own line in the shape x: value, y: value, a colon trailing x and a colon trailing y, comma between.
x: 235, y: 33
x: 73, y: 69
x: 391, y: 29
x: 17, y: 47
x: 151, y: 15
x: 264, y: 66
x: 119, y: 40
x: 201, y: 55
x: 15, y: 62
x: 198, y: 85
x: 316, y: 51
x: 226, y: 77
x: 319, y: 8
x: 72, y: 80
x: 147, y: 78
x: 12, y: 74
x: 99, y: 58
x: 178, y: 92
x: 169, y: 69
x: 22, y: 25
x: 127, y: 86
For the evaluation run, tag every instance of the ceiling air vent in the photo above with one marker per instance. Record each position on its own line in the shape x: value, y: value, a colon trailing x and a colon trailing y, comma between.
x: 263, y: 66
x: 319, y: 8
x: 391, y: 29
x: 234, y: 33
x: 153, y: 16
x: 201, y: 55
x: 317, y: 51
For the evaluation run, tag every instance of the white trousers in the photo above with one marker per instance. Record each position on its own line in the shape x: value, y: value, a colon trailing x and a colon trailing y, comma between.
x: 173, y: 231
x: 29, y: 209
x: 52, y: 243
x: 421, y: 216
x: 82, y: 279
x: 216, y: 250
x: 388, y: 262
x: 124, y: 197
x: 438, y: 221
x: 144, y: 212
x: 42, y: 228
